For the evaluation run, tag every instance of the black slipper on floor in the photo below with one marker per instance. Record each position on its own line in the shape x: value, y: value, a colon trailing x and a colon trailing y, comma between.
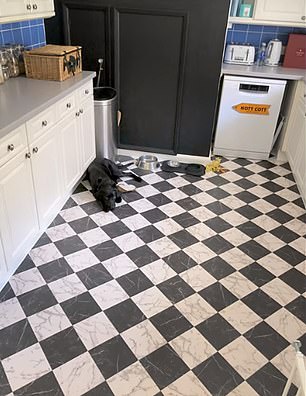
x: 188, y: 169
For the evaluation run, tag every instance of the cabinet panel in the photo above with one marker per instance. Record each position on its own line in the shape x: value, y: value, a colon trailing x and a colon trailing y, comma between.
x: 12, y: 7
x: 42, y: 6
x: 18, y: 218
x: 70, y: 147
x: 3, y: 267
x: 281, y: 10
x: 87, y: 133
x: 46, y: 167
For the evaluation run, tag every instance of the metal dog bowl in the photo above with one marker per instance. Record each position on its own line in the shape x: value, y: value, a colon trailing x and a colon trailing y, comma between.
x: 173, y: 164
x: 147, y: 162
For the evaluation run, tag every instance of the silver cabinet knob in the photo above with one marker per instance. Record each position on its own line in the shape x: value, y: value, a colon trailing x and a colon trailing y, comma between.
x: 44, y: 123
x: 86, y: 91
x: 10, y: 147
x: 77, y: 114
x: 28, y: 155
x: 34, y: 6
x: 68, y: 105
x: 303, y: 17
x: 35, y: 150
x: 29, y: 7
x: 81, y: 111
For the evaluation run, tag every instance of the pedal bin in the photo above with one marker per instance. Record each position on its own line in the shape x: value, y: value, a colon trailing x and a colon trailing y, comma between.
x: 106, y: 124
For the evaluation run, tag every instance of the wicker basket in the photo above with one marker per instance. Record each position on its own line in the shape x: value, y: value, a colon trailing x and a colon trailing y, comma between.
x: 53, y: 62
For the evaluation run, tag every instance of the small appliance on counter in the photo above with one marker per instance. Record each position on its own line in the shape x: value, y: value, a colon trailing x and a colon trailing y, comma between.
x: 273, y: 53
x: 240, y: 54
x: 295, y: 55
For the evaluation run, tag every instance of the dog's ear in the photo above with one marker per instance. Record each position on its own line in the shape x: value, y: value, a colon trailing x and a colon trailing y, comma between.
x: 97, y: 184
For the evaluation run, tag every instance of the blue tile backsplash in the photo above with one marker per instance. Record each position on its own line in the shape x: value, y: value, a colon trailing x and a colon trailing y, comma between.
x: 29, y: 33
x: 256, y: 34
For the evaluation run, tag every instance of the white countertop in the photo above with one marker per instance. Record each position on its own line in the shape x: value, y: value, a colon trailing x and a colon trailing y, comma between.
x: 23, y: 98
x: 264, y: 71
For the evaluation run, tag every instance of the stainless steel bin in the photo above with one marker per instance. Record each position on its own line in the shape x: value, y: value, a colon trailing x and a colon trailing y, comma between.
x: 106, y: 109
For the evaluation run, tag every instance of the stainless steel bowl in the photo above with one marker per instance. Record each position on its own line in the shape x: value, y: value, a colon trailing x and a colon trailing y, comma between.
x: 148, y: 162
x: 173, y: 164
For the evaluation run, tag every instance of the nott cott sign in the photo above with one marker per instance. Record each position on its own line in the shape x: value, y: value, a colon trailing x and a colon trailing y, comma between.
x: 252, y: 108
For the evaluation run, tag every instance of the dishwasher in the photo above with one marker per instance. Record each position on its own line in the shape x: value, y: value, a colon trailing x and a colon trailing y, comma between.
x: 248, y: 116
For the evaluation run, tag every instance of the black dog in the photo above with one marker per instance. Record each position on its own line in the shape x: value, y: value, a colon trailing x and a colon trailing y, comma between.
x: 103, y: 175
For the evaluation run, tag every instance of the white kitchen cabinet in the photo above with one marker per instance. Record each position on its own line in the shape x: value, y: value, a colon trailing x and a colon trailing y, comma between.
x: 18, y: 217
x: 71, y: 150
x: 3, y: 266
x: 281, y: 10
x: 295, y: 141
x: 47, y: 175
x: 20, y: 10
x: 87, y: 133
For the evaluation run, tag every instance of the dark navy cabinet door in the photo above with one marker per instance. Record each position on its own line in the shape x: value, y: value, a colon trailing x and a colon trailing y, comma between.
x: 164, y: 58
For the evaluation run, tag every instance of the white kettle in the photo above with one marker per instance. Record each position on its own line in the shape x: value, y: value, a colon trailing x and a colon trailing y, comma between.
x: 273, y: 53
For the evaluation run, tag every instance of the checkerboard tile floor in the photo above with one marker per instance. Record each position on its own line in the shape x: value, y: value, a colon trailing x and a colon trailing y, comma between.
x: 190, y: 287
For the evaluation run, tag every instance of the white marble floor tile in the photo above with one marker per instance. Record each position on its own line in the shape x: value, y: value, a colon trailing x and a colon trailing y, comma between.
x: 274, y: 264
x: 235, y: 236
x: 192, y: 347
x: 143, y: 339
x: 270, y: 242
x: 243, y: 357
x: 201, y: 231
x: 158, y: 271
x: 203, y: 198
x: 178, y: 181
x: 119, y: 265
x: 25, y: 366
x: 175, y: 194
x: 186, y: 385
x: 199, y: 252
x: 262, y: 206
x: 286, y: 324
x: 168, y: 226
x: 300, y: 245
x: 195, y: 309
x: 240, y: 316
x: 83, y: 197
x: 59, y: 232
x: 172, y: 209
x: 128, y: 242
x: 73, y: 213
x: 78, y: 376
x: 238, y: 284
x: 136, y: 222
x: 244, y: 389
x: 134, y: 380
x: 151, y: 301
x: 280, y: 291
x: 232, y: 202
x: 81, y: 260
x: 45, y: 254
x: 26, y: 281
x: 265, y: 222
x: 233, y: 218
x: 10, y: 312
x: 95, y: 330
x: 236, y: 258
x: 163, y: 247
x: 296, y: 226
x: 48, y: 322
x: 198, y: 278
x: 67, y: 287
x: 94, y: 237
x: 142, y: 205
x: 147, y: 191
x: 202, y: 213
x: 109, y: 294
x: 104, y: 218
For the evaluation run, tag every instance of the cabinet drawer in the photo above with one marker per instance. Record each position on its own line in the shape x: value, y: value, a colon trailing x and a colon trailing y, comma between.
x: 41, y: 123
x: 85, y: 91
x: 13, y: 144
x: 66, y: 106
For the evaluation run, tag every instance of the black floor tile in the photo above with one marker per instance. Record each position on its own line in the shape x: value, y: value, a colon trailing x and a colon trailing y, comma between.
x: 280, y: 216
x: 170, y: 323
x: 6, y: 293
x: 80, y: 307
x: 70, y: 245
x: 115, y: 229
x: 218, y: 193
x: 218, y: 268
x: 298, y: 308
x: 285, y: 234
x: 295, y: 279
x: 55, y: 270
x: 218, y: 331
x: 257, y: 274
x: 125, y: 315
x: 15, y: 338
x: 124, y: 211
x: 91, y: 207
x: 218, y: 208
x: 163, y: 186
x: 37, y: 300
x: 112, y: 356
x: 183, y: 239
x: 246, y: 196
x: 100, y: 390
x: 218, y: 376
x: 266, y: 340
x: 188, y: 203
x: 217, y: 224
x: 186, y: 220
x: 269, y: 381
x: 43, y: 240
x: 5, y: 388
x: 248, y: 212
x: 218, y: 296
x: 82, y: 225
x: 290, y: 255
x: 164, y: 366
x: 25, y: 265
x: 46, y: 385
x: 251, y: 229
x: 261, y: 303
x: 149, y: 234
x: 254, y: 250
x: 142, y: 256
x: 175, y: 289
x: 190, y: 189
x: 218, y: 244
x: 179, y: 261
x: 94, y: 276
x: 106, y: 250
x: 134, y: 282
x: 159, y: 199
x: 62, y: 347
